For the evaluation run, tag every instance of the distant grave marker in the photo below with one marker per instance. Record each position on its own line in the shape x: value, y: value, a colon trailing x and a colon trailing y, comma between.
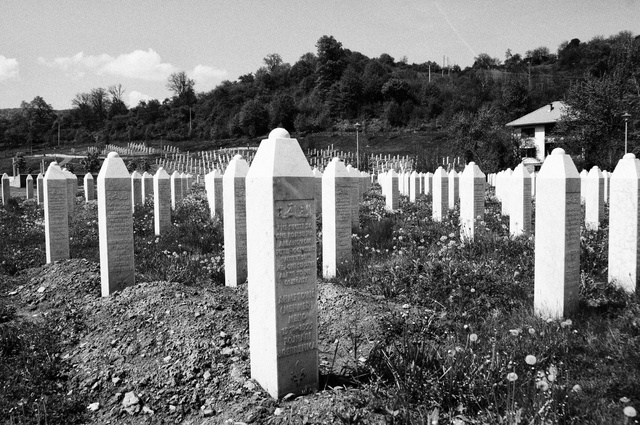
x: 161, y: 201
x: 56, y: 218
x: 235, y: 223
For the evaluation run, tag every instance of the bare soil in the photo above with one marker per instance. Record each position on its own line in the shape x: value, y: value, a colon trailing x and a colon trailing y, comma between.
x: 162, y: 352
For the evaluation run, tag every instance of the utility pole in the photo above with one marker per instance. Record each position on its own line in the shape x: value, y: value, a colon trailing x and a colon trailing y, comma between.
x: 58, y: 132
x: 429, y: 71
x: 626, y: 117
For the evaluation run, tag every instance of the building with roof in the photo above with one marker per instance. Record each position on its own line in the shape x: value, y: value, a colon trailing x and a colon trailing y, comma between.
x: 535, y: 131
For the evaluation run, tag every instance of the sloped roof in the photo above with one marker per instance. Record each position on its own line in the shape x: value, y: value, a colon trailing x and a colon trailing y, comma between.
x: 549, y: 113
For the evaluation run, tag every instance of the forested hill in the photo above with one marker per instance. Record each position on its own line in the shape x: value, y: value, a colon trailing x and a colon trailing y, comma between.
x: 331, y: 89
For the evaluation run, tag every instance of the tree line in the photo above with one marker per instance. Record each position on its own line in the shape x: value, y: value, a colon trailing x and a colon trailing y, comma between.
x: 334, y: 87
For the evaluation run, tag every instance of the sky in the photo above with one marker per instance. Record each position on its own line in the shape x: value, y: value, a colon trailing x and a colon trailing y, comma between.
x: 59, y: 48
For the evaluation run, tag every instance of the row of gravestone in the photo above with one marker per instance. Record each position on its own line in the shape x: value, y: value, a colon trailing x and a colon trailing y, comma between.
x: 558, y: 189
x: 277, y: 196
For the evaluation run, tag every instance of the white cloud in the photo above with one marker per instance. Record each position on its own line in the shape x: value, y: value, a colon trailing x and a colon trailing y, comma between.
x: 207, y: 77
x: 135, y: 97
x: 8, y: 68
x: 139, y: 64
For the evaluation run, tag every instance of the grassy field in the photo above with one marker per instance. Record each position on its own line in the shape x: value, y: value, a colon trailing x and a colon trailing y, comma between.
x: 461, y: 345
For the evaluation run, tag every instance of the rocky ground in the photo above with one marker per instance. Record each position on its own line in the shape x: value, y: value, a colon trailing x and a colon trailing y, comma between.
x: 162, y: 352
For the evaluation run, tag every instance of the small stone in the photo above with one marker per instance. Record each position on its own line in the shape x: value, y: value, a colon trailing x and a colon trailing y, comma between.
x: 147, y: 411
x: 227, y: 351
x: 167, y: 359
x: 277, y: 412
x: 222, y: 334
x: 115, y: 380
x: 172, y: 408
x: 41, y: 289
x: 94, y: 406
x: 250, y: 385
x: 207, y: 413
x: 405, y: 306
x: 207, y: 375
x: 130, y: 403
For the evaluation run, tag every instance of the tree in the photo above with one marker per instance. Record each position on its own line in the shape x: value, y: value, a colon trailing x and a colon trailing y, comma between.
x: 182, y: 87
x: 117, y: 106
x: 330, y: 64
x: 253, y: 118
x: 39, y: 117
x: 482, y: 137
x: 484, y: 61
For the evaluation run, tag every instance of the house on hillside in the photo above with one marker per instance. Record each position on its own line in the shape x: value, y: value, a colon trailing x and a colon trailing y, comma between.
x: 535, y: 131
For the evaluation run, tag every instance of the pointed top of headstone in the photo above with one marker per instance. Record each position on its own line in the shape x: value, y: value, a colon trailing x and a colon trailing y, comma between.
x: 316, y: 172
x: 440, y: 172
x: 629, y: 156
x: 471, y: 170
x: 145, y: 175
x: 54, y: 172
x: 595, y: 172
x: 521, y: 172
x: 29, y: 177
x: 279, y: 133
x: 453, y: 173
x: 336, y: 168
x: 135, y: 175
x: 161, y: 173
x: 279, y: 156
x: 113, y: 167
x: 558, y: 165
x: 175, y: 173
x: 40, y: 176
x: 88, y: 176
x: 237, y: 167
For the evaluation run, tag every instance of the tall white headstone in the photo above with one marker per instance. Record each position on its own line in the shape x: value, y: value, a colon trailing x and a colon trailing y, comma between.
x: 440, y: 194
x: 392, y: 192
x: 161, y: 201
x: 414, y: 186
x: 557, y: 243
x: 472, y: 184
x: 89, y: 188
x: 147, y: 187
x: 115, y: 225
x: 354, y: 180
x: 72, y: 191
x: 318, y: 189
x: 624, y: 224
x: 136, y: 190
x: 176, y: 189
x: 235, y: 223
x: 454, y: 188
x: 6, y: 189
x: 56, y: 219
x: 336, y: 219
x: 519, y: 201
x: 593, y: 198
x: 281, y: 224
x: 40, y: 188
x: 29, y: 183
x: 213, y: 186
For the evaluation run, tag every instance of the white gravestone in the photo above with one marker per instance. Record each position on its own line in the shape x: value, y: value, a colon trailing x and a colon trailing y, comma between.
x: 318, y: 189
x: 354, y: 176
x: 176, y: 189
x: 161, y: 201
x: 472, y: 186
x: 147, y: 187
x: 336, y: 219
x: 136, y: 190
x: 428, y: 183
x: 557, y: 242
x: 213, y: 187
x: 454, y: 189
x: 6, y: 189
x: 624, y: 223
x: 583, y: 179
x: 56, y: 219
x: 392, y: 193
x: 40, y: 188
x: 505, y: 190
x: 235, y: 223
x: 519, y: 201
x: 593, y: 198
x: 72, y: 191
x: 89, y: 188
x: 115, y: 225
x: 283, y: 315
x: 440, y: 194
x: 414, y: 186
x: 29, y: 183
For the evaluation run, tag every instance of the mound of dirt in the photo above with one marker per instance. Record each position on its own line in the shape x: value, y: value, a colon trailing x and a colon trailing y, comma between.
x: 163, y: 352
